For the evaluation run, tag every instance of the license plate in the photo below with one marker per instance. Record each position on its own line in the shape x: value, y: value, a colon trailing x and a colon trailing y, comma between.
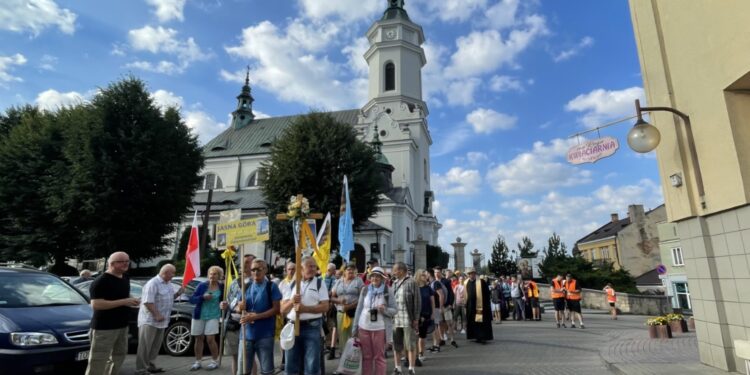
x: 82, y: 356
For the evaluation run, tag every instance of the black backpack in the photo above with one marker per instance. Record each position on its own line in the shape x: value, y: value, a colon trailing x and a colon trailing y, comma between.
x: 449, y: 297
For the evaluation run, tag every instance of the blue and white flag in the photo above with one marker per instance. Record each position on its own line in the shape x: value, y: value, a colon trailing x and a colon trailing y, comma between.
x: 346, y: 224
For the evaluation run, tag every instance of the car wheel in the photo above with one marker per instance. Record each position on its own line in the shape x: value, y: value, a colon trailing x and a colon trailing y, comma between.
x: 177, y: 339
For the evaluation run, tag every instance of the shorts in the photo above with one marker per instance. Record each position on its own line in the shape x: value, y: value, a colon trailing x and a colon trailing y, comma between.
x: 534, y: 301
x: 204, y: 327
x: 436, y: 315
x: 574, y: 305
x: 448, y: 314
x: 559, y: 304
x: 424, y: 325
x: 495, y: 306
x: 232, y: 342
x: 611, y: 304
x: 459, y: 313
x: 404, y: 338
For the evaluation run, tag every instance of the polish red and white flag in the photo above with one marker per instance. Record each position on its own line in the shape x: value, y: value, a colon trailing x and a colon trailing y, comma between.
x: 192, y: 255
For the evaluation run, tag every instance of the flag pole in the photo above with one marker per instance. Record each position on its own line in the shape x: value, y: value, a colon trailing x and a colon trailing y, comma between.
x: 243, y: 364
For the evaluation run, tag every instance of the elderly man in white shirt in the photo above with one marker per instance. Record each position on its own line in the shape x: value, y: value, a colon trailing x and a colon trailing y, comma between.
x: 153, y: 318
x: 311, y: 303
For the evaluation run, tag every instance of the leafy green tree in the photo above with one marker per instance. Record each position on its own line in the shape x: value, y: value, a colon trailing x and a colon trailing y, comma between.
x: 500, y: 262
x: 311, y: 158
x: 15, y: 116
x: 525, y: 248
x: 113, y: 174
x: 436, y: 257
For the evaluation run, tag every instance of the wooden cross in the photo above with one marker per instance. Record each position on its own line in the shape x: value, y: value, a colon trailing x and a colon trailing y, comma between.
x: 304, y: 236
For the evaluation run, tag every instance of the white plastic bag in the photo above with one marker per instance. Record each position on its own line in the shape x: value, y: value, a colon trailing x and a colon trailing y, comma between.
x: 351, y: 359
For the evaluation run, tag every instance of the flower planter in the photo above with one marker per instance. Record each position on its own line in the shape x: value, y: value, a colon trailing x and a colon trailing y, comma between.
x: 652, y: 332
x: 676, y: 327
x: 664, y: 332
x: 691, y: 323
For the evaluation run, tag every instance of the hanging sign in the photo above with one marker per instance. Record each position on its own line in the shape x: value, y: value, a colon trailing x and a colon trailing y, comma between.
x: 241, y: 232
x: 593, y: 150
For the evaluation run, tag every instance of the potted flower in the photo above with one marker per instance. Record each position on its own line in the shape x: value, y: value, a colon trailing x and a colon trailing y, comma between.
x: 658, y: 327
x: 677, y: 323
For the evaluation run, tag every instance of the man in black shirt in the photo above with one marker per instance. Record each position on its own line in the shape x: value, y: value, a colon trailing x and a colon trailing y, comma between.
x: 111, y: 301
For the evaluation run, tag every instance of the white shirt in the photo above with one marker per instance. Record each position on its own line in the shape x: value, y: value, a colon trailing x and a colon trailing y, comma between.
x: 364, y: 317
x: 311, y: 296
x: 161, y: 294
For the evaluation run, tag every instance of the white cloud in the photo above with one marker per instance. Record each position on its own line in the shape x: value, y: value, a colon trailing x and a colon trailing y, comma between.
x: 500, y: 83
x: 461, y: 92
x: 482, y: 52
x: 6, y: 65
x: 167, y: 10
x: 283, y: 63
x: 426, y: 11
x: 34, y: 16
x: 165, y: 99
x: 345, y: 10
x: 48, y: 62
x: 538, y: 170
x: 52, y: 100
x: 457, y: 181
x: 452, y: 140
x: 502, y: 15
x: 586, y: 42
x: 203, y: 125
x: 355, y: 54
x: 600, y: 105
x: 472, y: 158
x: 487, y: 121
x: 479, y: 231
x: 162, y: 40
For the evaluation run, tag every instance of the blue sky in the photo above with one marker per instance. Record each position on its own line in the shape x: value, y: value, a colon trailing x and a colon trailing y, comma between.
x: 507, y: 82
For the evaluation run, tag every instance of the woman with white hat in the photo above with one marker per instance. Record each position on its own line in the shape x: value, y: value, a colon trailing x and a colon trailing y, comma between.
x: 375, y: 309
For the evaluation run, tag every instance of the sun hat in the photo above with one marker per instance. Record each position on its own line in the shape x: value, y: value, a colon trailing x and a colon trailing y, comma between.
x: 377, y: 271
x: 286, y: 338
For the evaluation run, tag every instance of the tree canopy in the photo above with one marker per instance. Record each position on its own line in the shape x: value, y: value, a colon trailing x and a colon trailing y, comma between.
x: 311, y: 158
x: 525, y: 248
x: 436, y: 257
x: 113, y: 174
x: 500, y: 262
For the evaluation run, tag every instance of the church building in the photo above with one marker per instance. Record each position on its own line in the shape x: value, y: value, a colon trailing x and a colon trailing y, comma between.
x: 393, y: 121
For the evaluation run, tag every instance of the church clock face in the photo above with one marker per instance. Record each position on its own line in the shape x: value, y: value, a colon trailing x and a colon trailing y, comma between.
x: 390, y: 34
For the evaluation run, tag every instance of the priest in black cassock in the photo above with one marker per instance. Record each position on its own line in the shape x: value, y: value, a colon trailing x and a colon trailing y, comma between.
x: 478, y: 314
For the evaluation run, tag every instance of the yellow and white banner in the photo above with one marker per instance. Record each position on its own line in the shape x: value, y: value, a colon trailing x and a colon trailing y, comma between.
x: 241, y: 232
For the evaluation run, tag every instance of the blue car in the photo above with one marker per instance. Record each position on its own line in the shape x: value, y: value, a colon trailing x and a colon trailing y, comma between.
x: 44, y: 324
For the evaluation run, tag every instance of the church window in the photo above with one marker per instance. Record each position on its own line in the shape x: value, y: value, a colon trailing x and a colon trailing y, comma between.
x: 256, y: 179
x: 408, y: 234
x: 390, y: 76
x: 211, y: 181
x: 426, y: 175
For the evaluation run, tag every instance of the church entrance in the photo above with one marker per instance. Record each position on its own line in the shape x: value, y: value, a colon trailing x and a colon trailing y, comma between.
x: 358, y: 257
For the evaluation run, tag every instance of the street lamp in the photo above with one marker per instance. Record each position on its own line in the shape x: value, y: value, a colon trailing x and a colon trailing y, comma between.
x: 644, y: 137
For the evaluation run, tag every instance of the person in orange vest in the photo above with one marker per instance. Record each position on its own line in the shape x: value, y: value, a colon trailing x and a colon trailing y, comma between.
x: 573, y: 300
x: 532, y: 295
x: 557, y: 292
x: 612, y: 299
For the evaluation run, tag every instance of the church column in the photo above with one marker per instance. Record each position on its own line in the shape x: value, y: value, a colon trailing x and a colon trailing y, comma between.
x: 476, y: 258
x: 420, y: 253
x: 459, y: 254
x: 398, y: 254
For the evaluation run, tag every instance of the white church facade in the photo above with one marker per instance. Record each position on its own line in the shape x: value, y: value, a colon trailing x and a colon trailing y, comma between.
x: 394, y: 118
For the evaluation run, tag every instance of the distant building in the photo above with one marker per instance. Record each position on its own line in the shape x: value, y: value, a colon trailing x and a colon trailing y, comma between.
x: 631, y: 243
x: 674, y: 279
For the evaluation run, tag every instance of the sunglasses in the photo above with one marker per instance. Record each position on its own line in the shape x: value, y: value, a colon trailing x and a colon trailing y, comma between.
x: 255, y: 270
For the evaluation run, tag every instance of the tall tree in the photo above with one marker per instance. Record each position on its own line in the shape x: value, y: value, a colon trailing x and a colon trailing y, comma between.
x: 311, y: 158
x: 525, y: 248
x: 500, y: 262
x: 555, y: 247
x: 115, y: 174
x: 436, y: 257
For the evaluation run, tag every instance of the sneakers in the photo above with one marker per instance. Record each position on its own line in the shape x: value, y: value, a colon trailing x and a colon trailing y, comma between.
x: 331, y: 353
x: 582, y: 327
x: 212, y: 366
x: 563, y: 325
x: 558, y: 325
x: 463, y: 331
x: 434, y: 349
x: 418, y: 362
x: 453, y: 342
x: 412, y: 372
x: 397, y: 371
x: 196, y: 366
x: 420, y: 358
x: 572, y: 325
x: 442, y: 342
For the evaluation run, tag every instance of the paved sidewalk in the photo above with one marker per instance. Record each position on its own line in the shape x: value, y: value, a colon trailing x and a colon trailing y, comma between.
x: 537, y: 348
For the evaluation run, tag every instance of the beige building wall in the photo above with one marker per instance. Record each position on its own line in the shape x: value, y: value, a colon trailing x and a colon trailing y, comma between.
x: 600, y: 250
x: 638, y: 243
x: 695, y: 58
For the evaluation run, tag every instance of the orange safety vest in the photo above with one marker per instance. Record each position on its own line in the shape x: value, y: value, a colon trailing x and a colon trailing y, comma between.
x: 532, y: 290
x: 556, y: 285
x: 572, y: 294
x: 611, y: 295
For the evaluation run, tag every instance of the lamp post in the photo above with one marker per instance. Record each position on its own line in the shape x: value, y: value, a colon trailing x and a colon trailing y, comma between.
x: 644, y: 137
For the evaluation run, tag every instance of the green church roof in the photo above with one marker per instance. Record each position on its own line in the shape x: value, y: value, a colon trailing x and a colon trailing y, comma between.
x: 257, y: 137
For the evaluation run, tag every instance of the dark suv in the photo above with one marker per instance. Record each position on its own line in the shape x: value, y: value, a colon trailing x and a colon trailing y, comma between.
x: 44, y: 324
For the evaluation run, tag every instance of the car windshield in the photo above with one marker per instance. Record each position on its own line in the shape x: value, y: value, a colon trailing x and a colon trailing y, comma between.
x: 33, y: 289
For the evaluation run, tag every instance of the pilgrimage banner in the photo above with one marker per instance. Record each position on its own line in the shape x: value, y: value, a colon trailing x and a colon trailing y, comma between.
x: 242, y: 232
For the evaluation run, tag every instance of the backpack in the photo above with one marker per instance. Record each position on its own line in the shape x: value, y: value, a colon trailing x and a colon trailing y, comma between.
x: 449, y: 296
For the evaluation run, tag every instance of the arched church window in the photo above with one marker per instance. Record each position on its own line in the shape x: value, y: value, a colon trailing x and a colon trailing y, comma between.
x: 390, y: 76
x: 211, y: 181
x: 408, y: 234
x: 256, y: 179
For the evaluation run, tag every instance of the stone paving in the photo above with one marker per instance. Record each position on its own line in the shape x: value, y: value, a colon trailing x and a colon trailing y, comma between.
x: 604, y: 347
